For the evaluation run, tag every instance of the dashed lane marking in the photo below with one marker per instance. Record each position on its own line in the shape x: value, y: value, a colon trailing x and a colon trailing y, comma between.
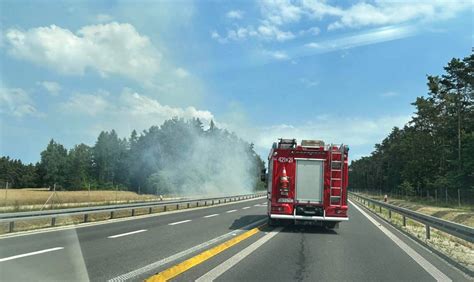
x: 179, y: 222
x: 211, y: 215
x: 231, y: 211
x: 31, y: 254
x: 126, y: 234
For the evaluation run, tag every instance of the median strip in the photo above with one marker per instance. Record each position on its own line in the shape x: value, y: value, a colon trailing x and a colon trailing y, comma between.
x: 31, y: 254
x: 202, y: 257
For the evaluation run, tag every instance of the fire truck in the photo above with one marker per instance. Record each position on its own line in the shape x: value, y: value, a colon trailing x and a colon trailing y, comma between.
x: 307, y: 183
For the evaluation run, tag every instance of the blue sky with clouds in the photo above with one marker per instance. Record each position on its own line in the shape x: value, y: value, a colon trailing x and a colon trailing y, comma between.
x: 341, y: 71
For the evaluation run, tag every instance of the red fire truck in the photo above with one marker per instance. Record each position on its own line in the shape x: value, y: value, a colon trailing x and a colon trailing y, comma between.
x: 307, y: 183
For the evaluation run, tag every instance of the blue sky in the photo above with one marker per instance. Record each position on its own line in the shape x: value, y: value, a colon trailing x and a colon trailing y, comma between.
x: 341, y: 71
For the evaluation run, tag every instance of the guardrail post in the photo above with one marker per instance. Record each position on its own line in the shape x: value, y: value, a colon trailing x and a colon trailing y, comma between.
x: 177, y: 206
x: 111, y: 214
x: 187, y: 205
x: 11, y: 226
x: 219, y: 201
x: 53, y: 221
x: 205, y: 203
x: 389, y: 213
x: 164, y: 208
x: 380, y: 209
x: 212, y: 203
x: 150, y: 210
x: 86, y: 217
x: 404, y: 220
x: 133, y: 212
x: 428, y: 235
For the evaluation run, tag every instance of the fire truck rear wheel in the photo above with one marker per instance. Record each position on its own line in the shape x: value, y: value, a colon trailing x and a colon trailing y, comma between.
x: 330, y: 225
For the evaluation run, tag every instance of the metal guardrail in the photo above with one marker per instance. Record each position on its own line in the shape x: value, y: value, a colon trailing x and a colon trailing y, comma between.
x: 11, y: 218
x: 455, y: 229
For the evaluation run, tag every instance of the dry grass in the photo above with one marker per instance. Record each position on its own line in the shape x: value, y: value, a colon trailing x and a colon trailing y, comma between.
x: 29, y: 199
x: 454, y: 214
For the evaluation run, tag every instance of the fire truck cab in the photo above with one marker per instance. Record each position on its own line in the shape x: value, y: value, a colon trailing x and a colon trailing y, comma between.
x: 307, y: 183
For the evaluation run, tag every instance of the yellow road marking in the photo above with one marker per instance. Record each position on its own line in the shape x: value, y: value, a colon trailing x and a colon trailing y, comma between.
x: 176, y: 270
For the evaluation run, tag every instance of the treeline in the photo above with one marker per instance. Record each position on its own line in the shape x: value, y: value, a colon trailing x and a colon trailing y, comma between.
x: 436, y: 148
x: 177, y: 157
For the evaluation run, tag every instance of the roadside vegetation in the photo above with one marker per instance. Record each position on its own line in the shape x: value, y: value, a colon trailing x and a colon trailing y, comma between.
x: 433, y: 155
x: 180, y: 157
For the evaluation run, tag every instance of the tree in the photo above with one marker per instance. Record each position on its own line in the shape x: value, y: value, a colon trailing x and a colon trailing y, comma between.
x: 53, y: 163
x: 79, y: 167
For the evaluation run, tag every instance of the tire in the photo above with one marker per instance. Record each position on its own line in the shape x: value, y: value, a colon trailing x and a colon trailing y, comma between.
x: 330, y: 224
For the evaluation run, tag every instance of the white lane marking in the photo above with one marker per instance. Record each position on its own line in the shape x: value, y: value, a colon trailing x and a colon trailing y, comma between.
x: 426, y: 265
x: 257, y: 205
x: 125, y: 234
x: 244, y: 208
x: 179, y: 222
x: 155, y: 265
x: 31, y: 254
x: 226, y: 265
x: 211, y: 215
x: 231, y: 211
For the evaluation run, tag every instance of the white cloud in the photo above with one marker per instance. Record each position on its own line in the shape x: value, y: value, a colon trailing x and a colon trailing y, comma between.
x: 388, y: 12
x: 310, y: 31
x: 235, y: 14
x: 16, y: 102
x: 279, y: 55
x: 125, y: 112
x: 52, y: 87
x: 364, y: 38
x: 279, y: 18
x: 280, y: 12
x: 265, y: 31
x: 102, y: 18
x: 111, y: 48
x: 182, y: 73
x: 85, y: 104
x: 356, y: 132
x: 136, y: 105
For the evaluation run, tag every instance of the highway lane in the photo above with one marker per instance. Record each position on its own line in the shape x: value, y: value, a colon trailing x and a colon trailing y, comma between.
x: 358, y: 250
x: 90, y: 253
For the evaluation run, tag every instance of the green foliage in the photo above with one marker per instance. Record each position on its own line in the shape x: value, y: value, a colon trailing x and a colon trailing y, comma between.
x: 177, y: 157
x: 53, y: 164
x: 436, y: 149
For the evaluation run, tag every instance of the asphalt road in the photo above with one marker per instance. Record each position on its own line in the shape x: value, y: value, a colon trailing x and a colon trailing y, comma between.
x: 138, y: 248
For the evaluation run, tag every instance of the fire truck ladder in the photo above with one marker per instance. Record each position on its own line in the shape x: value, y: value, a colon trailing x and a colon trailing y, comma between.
x: 336, y: 157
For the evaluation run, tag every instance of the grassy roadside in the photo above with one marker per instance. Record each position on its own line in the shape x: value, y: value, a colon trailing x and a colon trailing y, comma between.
x: 33, y: 199
x: 462, y: 215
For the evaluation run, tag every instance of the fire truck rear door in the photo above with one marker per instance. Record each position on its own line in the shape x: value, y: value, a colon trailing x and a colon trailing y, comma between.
x: 309, y: 180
